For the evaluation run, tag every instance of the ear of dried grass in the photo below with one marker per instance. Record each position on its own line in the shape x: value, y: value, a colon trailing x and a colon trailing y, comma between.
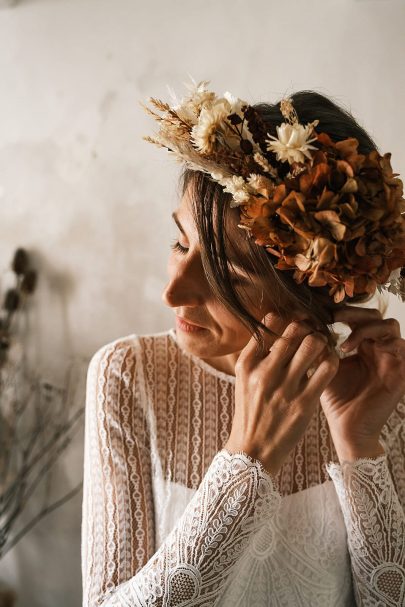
x: 160, y: 105
x: 154, y: 141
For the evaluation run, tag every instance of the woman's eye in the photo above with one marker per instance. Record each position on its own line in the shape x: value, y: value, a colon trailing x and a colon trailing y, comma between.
x: 176, y: 246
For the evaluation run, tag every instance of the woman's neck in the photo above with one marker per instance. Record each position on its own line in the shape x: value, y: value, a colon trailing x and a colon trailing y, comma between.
x: 226, y: 363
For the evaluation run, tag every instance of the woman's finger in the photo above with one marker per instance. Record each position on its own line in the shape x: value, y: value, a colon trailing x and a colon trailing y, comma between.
x: 322, y: 376
x: 251, y: 354
x: 349, y: 314
x: 378, y: 330
x: 285, y: 347
x: 395, y: 347
x: 309, y: 352
x: 390, y: 368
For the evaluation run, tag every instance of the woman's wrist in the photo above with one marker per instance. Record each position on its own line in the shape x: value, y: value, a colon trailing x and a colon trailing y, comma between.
x: 269, y: 463
x: 349, y: 451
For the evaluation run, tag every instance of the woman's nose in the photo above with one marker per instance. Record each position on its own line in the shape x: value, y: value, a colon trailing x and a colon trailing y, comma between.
x: 186, y: 287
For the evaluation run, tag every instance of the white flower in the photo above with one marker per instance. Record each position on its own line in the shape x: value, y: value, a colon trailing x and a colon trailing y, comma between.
x: 199, y: 95
x: 189, y: 107
x: 292, y: 143
x: 255, y: 180
x: 239, y: 197
x: 260, y: 184
x: 211, y: 121
x: 235, y: 104
x: 218, y: 175
x: 239, y: 189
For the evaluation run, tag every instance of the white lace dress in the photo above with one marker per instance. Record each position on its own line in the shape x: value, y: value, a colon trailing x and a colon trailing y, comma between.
x: 170, y: 518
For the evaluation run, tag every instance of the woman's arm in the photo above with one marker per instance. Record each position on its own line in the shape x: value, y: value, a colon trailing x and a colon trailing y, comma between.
x: 374, y: 513
x: 234, y: 499
x: 118, y: 526
x: 120, y: 565
x: 359, y: 404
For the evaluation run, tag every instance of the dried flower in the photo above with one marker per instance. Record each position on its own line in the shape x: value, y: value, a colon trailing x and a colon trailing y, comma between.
x: 211, y: 122
x: 317, y: 226
x: 239, y: 189
x: 292, y: 143
x: 336, y: 218
x: 264, y: 164
x: 190, y: 106
x: 260, y: 184
x: 288, y: 110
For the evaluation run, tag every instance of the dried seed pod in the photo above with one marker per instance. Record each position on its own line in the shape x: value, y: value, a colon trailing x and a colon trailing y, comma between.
x: 246, y: 146
x: 234, y: 119
x: 29, y: 282
x: 11, y: 300
x: 20, y: 262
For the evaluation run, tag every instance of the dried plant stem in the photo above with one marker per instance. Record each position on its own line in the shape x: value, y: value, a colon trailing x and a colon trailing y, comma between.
x: 39, y: 516
x: 7, y: 496
x: 36, y: 423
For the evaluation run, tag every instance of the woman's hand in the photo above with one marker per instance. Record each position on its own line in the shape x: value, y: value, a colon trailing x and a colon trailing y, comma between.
x: 368, y: 385
x: 274, y: 398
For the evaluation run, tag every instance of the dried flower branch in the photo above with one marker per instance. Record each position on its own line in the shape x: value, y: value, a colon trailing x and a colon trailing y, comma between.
x: 36, y: 426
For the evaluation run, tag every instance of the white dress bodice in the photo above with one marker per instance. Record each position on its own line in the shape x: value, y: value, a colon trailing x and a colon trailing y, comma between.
x: 171, y: 518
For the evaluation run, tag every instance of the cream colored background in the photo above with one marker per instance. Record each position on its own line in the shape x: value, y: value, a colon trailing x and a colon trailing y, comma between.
x: 91, y: 201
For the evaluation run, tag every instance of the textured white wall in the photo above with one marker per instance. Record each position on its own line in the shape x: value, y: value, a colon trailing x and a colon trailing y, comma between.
x: 91, y: 201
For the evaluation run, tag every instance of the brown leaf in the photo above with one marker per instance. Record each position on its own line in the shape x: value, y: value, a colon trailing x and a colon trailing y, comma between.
x: 331, y: 220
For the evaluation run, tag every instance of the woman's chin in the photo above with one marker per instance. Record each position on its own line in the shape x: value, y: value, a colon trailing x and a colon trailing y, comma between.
x: 197, y: 343
x: 210, y: 351
x: 194, y: 339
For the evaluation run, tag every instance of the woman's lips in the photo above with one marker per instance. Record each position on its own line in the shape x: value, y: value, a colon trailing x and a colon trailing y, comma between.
x: 187, y: 327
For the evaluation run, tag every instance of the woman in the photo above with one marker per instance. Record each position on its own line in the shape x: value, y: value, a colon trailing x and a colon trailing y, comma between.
x: 246, y: 458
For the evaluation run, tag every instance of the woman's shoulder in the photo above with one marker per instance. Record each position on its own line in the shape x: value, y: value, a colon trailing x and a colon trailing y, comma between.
x: 128, y: 357
x: 123, y: 366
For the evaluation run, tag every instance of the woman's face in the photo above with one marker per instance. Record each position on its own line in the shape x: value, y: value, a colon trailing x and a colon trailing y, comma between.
x: 222, y: 336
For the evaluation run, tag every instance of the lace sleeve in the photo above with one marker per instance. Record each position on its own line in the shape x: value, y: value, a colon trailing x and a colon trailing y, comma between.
x: 233, y: 501
x: 235, y: 497
x: 117, y: 515
x: 373, y: 511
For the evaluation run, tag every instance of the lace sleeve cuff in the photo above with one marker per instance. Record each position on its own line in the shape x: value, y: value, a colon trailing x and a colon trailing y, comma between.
x: 233, y: 501
x: 375, y: 524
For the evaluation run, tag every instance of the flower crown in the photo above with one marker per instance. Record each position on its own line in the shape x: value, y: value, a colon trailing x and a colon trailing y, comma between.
x: 333, y: 216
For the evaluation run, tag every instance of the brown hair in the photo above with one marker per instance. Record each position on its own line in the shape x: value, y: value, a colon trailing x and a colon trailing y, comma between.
x: 211, y: 212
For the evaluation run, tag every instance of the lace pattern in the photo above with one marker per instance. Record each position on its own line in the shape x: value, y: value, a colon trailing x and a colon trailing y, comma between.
x: 375, y: 523
x: 232, y: 503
